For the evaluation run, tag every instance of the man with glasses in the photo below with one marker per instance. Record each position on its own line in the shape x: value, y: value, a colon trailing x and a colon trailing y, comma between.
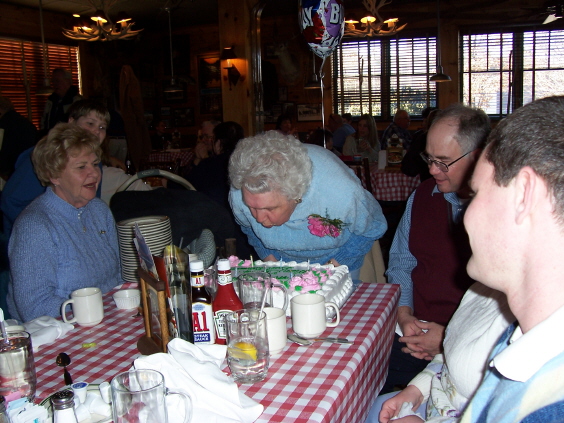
x: 430, y: 249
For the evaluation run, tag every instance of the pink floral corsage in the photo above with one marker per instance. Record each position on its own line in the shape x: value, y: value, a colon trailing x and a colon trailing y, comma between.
x: 324, y: 226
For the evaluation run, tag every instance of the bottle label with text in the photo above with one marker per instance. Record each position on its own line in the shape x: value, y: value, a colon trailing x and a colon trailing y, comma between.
x: 202, y: 316
x: 220, y: 326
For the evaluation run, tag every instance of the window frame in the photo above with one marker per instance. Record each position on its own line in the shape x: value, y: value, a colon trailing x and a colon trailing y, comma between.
x: 512, y: 68
x: 23, y: 59
x: 377, y: 85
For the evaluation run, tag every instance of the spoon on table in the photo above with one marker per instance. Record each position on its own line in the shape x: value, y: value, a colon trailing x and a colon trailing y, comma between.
x: 303, y: 341
x: 63, y: 360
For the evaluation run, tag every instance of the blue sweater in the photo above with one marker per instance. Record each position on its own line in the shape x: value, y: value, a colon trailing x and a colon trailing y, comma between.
x: 335, y: 192
x: 55, y: 249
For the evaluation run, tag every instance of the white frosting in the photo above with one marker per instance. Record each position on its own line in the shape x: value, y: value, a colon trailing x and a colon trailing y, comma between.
x: 337, y: 288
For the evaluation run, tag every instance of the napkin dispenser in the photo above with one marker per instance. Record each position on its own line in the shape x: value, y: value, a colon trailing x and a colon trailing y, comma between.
x: 155, y: 314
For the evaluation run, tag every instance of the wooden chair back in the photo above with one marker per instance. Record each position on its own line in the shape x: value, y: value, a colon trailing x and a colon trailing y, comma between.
x: 358, y: 168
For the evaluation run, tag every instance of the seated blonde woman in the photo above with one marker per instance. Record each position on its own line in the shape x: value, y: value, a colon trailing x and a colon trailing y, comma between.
x: 66, y: 238
x: 364, y: 141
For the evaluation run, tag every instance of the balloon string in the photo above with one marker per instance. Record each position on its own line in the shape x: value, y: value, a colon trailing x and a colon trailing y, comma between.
x: 321, y: 75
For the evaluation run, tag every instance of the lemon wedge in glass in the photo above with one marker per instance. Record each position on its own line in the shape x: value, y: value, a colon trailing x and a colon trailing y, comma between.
x: 243, y: 351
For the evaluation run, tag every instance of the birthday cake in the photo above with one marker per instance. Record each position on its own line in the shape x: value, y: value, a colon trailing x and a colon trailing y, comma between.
x: 334, y: 283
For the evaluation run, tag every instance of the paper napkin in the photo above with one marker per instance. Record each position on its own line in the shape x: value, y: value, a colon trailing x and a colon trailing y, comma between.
x: 196, y: 370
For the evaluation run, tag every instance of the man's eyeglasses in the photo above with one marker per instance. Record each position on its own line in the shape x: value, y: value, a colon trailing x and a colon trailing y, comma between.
x: 442, y: 166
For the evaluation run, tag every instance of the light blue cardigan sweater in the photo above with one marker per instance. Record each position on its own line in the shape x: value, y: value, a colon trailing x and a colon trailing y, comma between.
x: 336, y: 192
x: 55, y: 249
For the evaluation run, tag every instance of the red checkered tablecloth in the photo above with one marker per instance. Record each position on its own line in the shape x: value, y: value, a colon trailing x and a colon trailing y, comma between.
x: 185, y: 156
x: 390, y: 186
x: 320, y: 383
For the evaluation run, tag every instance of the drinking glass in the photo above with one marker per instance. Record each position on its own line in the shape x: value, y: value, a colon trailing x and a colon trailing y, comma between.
x: 140, y: 396
x: 210, y: 282
x: 17, y: 367
x: 253, y: 286
x: 247, y: 345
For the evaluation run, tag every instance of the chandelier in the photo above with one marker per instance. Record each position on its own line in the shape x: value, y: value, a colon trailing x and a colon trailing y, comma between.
x: 372, y: 25
x: 102, y: 28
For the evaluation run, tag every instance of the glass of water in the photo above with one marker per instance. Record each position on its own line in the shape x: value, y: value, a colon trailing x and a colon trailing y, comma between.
x: 247, y: 345
x: 17, y: 367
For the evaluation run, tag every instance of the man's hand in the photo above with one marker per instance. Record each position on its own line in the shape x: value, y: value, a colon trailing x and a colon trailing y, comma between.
x: 200, y: 152
x: 425, y: 345
x: 270, y: 258
x: 115, y: 162
x: 391, y: 407
x: 406, y: 321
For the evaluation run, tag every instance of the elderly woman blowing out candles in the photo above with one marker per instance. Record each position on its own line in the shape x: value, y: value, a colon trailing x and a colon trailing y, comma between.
x: 66, y: 238
x: 298, y: 202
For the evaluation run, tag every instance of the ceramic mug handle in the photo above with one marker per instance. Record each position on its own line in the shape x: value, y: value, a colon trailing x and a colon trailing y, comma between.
x: 337, y: 319
x: 63, y: 314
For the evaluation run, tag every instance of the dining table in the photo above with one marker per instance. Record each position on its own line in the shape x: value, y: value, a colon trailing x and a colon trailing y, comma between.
x: 323, y: 382
x: 391, y: 185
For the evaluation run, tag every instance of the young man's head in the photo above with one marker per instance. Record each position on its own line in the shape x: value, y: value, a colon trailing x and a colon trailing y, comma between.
x: 90, y: 115
x: 518, y: 204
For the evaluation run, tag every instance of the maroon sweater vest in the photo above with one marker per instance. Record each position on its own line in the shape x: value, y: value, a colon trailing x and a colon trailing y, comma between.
x: 442, y: 251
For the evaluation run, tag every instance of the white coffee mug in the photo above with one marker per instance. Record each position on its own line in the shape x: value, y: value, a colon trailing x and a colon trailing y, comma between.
x: 308, y: 315
x: 276, y: 329
x: 87, y: 307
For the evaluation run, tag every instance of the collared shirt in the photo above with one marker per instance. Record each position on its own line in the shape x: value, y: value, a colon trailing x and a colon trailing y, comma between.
x: 540, y: 342
x: 527, y: 383
x: 402, y: 262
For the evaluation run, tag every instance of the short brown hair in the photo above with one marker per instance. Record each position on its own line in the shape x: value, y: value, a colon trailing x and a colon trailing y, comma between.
x: 51, y: 154
x: 533, y: 136
x: 84, y: 107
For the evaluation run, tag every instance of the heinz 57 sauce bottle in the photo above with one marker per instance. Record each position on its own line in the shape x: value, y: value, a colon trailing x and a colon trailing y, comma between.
x: 226, y: 300
x: 202, y: 313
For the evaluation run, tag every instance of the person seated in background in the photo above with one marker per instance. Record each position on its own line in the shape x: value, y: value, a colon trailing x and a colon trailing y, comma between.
x: 323, y: 138
x: 24, y: 186
x: 204, y: 146
x: 58, y: 104
x: 516, y: 231
x: 19, y: 135
x: 440, y: 392
x: 341, y: 130
x: 66, y: 238
x: 364, y: 141
x: 412, y: 165
x: 430, y: 248
x: 285, y: 126
x: 160, y: 139
x: 300, y: 202
x: 211, y: 176
x: 397, y: 129
x: 347, y: 118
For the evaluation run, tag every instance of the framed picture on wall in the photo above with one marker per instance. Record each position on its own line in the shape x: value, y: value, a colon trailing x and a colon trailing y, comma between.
x: 309, y: 112
x: 209, y: 84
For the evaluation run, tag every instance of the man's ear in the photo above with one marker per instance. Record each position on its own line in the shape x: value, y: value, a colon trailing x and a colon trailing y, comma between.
x: 526, y: 185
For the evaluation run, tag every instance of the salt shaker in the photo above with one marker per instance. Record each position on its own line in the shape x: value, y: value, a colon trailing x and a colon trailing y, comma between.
x: 63, y: 407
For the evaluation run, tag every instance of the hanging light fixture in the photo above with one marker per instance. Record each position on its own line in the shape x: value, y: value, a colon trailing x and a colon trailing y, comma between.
x: 172, y: 87
x: 45, y: 89
x: 440, y: 76
x: 372, y: 25
x: 233, y: 74
x: 103, y: 29
x: 313, y: 83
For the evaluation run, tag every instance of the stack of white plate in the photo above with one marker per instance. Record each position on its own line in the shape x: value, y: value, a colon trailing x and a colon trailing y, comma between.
x: 157, y: 233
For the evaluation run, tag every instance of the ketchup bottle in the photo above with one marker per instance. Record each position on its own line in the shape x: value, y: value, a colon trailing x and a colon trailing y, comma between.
x: 226, y: 300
